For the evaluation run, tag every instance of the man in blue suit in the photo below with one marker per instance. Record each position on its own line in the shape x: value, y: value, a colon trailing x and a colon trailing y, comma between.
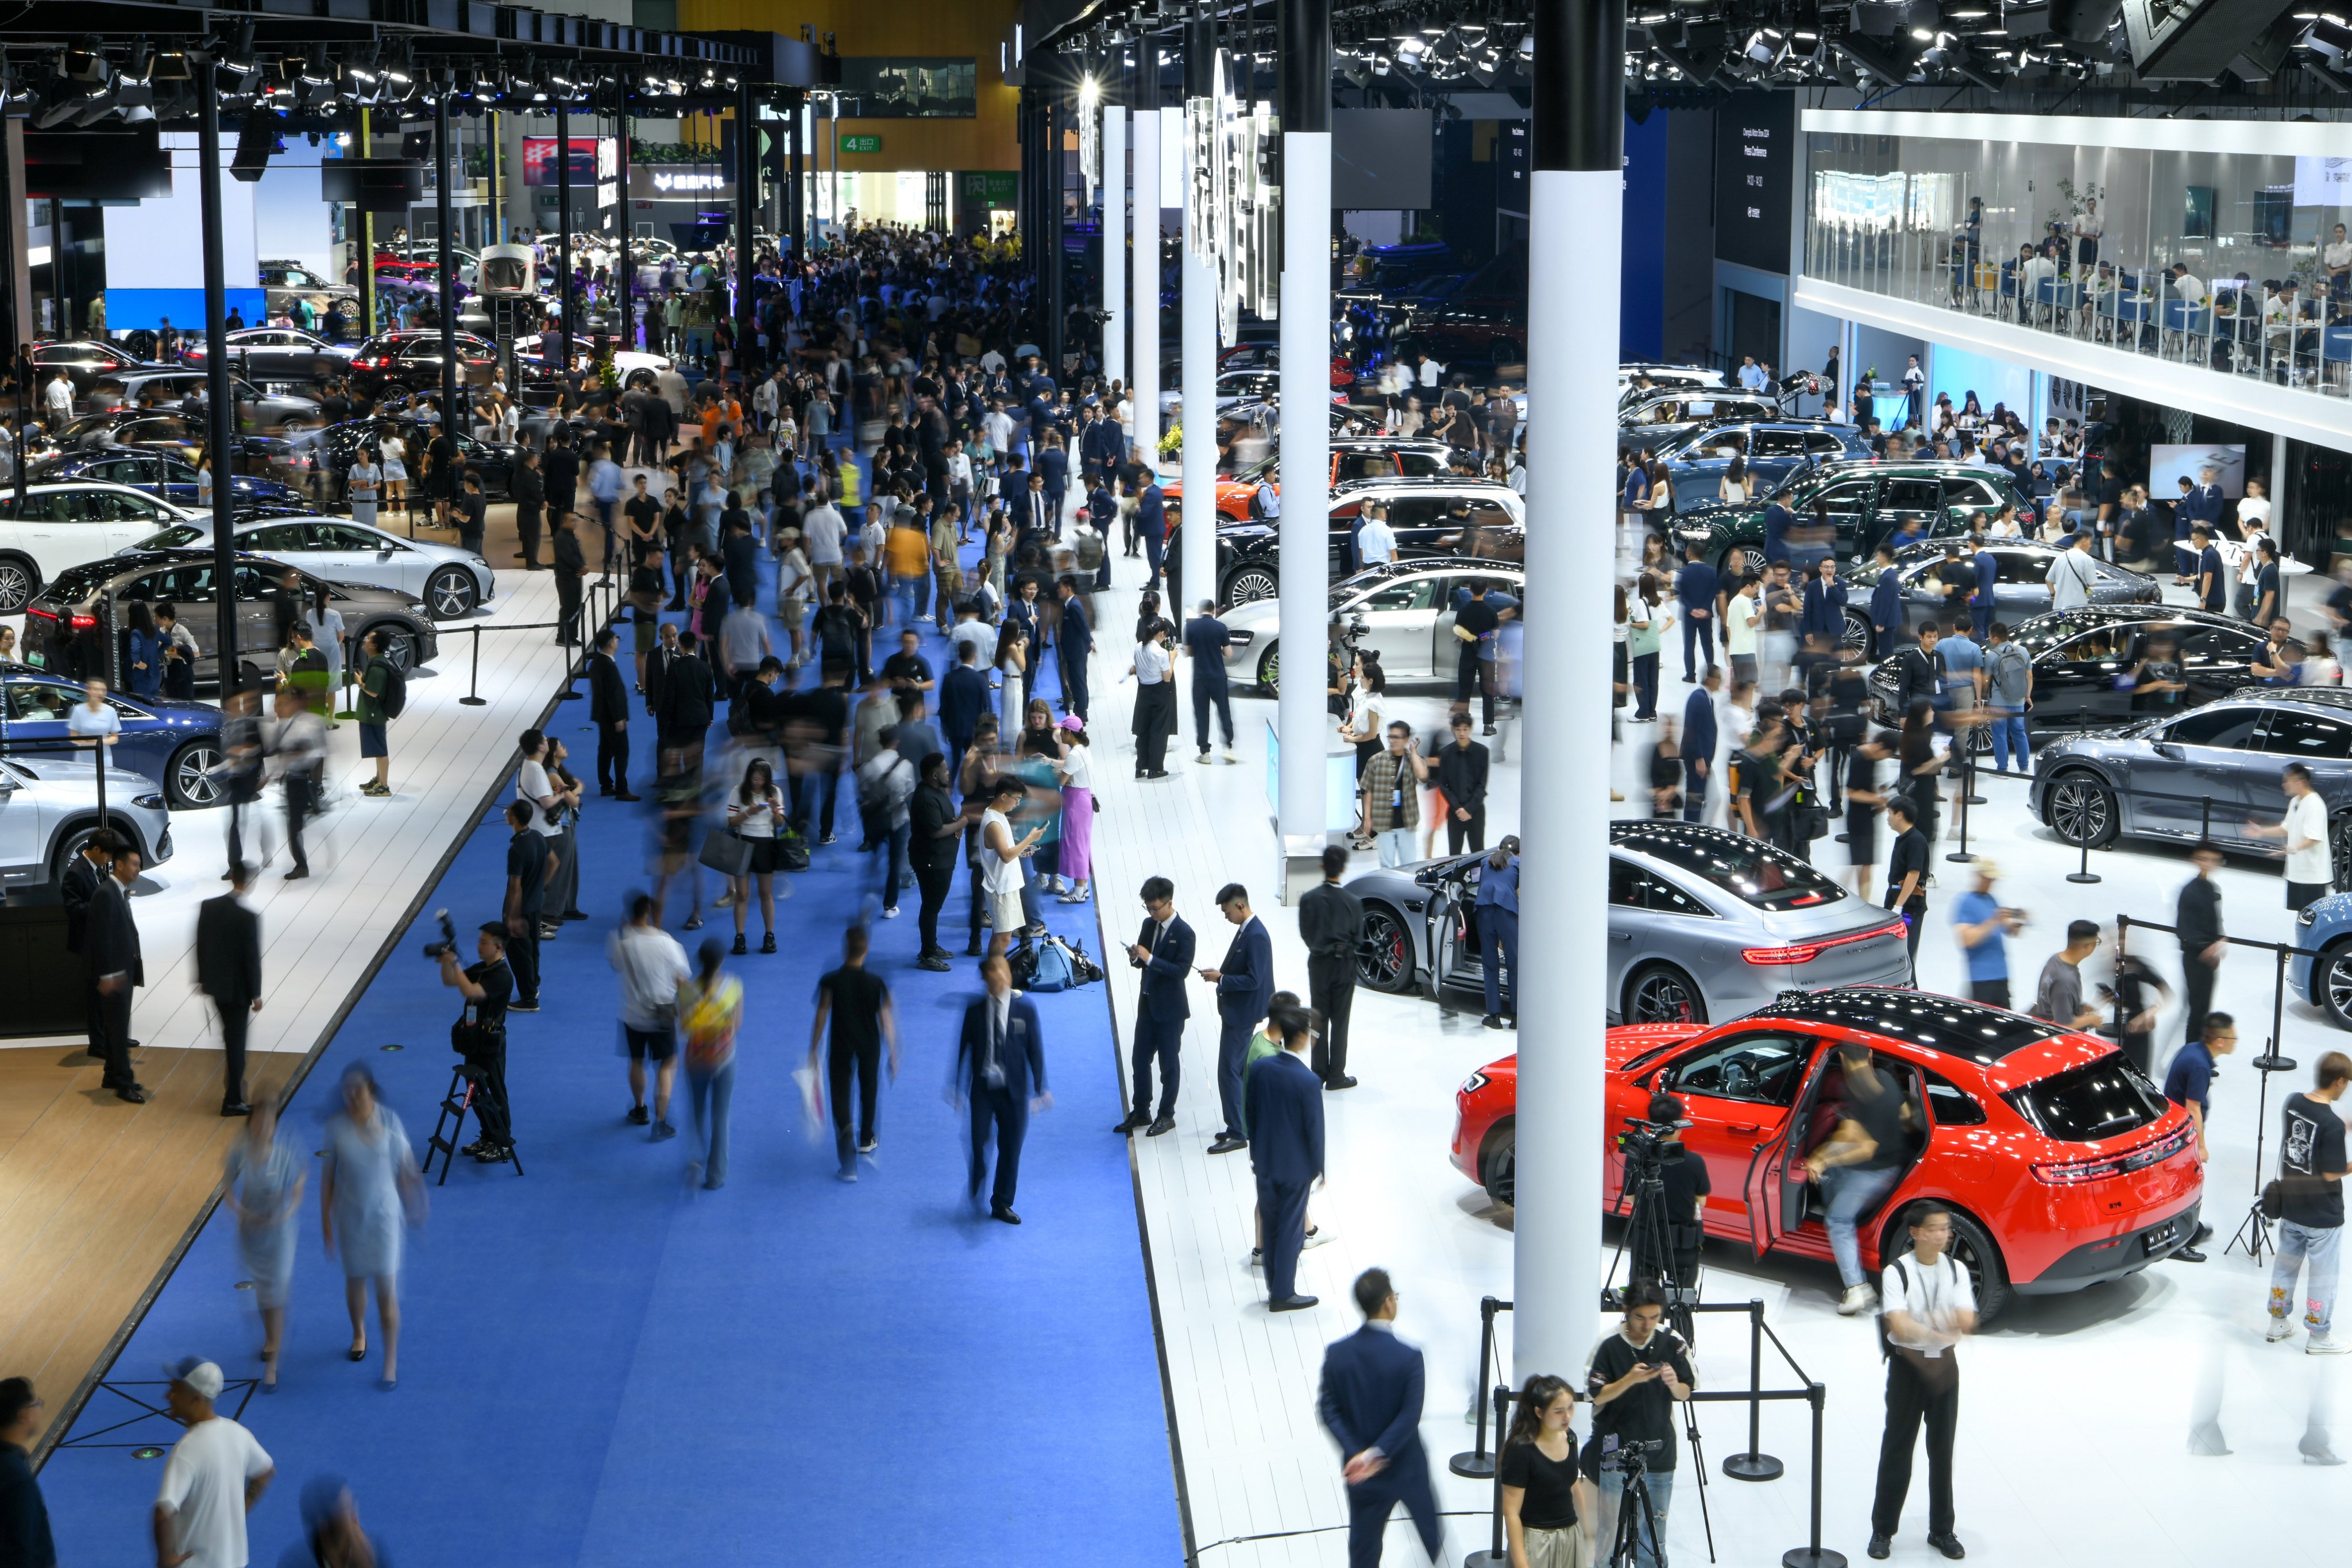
x: 1152, y: 521
x: 1073, y: 642
x: 1285, y: 1113
x: 1054, y: 468
x: 1244, y: 986
x: 1163, y: 950
x: 1371, y: 1402
x: 1698, y: 743
x: 1000, y: 1070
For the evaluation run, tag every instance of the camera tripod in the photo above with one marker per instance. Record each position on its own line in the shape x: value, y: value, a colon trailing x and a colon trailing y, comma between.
x: 1636, y: 1518
x: 1648, y: 1236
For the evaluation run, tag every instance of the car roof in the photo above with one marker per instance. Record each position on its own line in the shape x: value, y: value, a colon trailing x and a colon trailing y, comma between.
x: 1921, y: 1019
x: 2143, y: 612
x: 1482, y: 565
x: 2334, y: 699
x: 1424, y: 483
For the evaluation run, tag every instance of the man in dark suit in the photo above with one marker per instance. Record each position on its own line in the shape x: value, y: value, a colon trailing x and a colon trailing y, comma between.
x: 608, y: 708
x: 228, y: 970
x: 571, y: 565
x: 1244, y: 984
x: 1000, y: 1068
x: 560, y: 471
x: 84, y: 874
x: 1331, y: 925
x: 111, y: 945
x: 1073, y: 642
x: 1163, y: 950
x: 963, y: 697
x: 1286, y: 1124
x: 1205, y: 641
x: 1152, y: 521
x: 1371, y: 1402
x: 530, y: 488
x: 658, y: 664
x: 689, y: 700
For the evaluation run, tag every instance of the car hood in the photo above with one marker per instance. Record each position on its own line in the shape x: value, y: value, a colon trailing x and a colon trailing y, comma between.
x: 80, y: 778
x: 1631, y: 1040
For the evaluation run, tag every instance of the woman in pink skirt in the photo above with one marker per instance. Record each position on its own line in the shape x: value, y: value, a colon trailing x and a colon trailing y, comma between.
x: 1076, y: 766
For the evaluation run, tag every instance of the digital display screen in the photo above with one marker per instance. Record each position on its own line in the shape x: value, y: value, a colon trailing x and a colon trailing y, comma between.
x: 1754, y: 146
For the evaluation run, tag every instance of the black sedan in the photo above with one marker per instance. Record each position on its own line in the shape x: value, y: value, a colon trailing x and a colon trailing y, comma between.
x: 85, y: 363
x: 411, y: 360
x: 1429, y: 517
x: 2085, y: 663
x: 2020, y: 588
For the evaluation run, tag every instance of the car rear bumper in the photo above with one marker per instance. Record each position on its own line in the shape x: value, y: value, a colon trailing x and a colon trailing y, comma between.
x: 2096, y: 1262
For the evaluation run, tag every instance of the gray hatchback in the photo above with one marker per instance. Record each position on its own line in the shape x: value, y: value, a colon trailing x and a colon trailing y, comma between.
x: 1704, y: 925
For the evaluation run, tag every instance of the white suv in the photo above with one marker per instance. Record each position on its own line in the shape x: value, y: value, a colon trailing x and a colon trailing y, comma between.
x: 64, y: 524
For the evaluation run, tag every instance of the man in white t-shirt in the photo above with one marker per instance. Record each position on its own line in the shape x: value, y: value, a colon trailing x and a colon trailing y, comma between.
x: 1930, y: 1306
x: 2310, y: 868
x: 214, y: 1477
x: 1376, y: 541
x: 823, y: 531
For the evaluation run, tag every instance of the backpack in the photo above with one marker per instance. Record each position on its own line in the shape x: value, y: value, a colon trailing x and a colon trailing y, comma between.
x: 396, y: 688
x: 1052, y: 970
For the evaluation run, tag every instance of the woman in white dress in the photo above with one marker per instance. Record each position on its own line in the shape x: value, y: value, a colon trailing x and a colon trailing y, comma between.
x: 1735, y: 718
x: 362, y: 483
x: 326, y: 624
x: 394, y: 452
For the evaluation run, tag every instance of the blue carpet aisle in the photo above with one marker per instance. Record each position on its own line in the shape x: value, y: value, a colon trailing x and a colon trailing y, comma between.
x: 601, y: 1366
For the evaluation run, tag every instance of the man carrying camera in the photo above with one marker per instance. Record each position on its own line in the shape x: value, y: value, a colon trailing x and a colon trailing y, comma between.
x: 1684, y: 1186
x: 1637, y: 1376
x: 1930, y: 1303
x: 480, y: 1034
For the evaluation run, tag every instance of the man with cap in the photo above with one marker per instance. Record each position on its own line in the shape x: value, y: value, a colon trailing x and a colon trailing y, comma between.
x: 214, y: 1477
x: 1683, y: 1179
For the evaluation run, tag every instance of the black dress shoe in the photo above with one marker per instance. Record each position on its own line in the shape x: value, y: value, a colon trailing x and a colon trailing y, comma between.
x: 1950, y: 1546
x: 1134, y: 1121
x: 1491, y: 1021
x: 132, y: 1092
x: 1341, y: 1081
x: 998, y: 1212
x: 236, y: 1108
x: 1226, y: 1143
x: 2188, y: 1255
x: 624, y: 795
x: 1291, y: 1304
x: 1879, y: 1545
x: 1160, y: 1125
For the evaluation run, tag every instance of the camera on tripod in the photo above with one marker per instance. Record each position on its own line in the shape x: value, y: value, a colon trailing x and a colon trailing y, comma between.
x: 1644, y: 1141
x: 438, y: 950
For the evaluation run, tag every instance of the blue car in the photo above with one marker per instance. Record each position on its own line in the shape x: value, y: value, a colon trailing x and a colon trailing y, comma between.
x: 176, y: 743
x: 1778, y: 452
x: 159, y: 474
x: 2325, y: 924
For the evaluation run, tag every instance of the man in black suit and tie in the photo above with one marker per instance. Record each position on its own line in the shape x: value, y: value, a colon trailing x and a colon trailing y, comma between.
x: 1163, y: 950
x: 84, y: 875
x: 608, y: 708
x: 1244, y: 984
x: 1371, y: 1402
x: 228, y: 970
x: 1000, y: 1068
x: 111, y: 947
x: 1331, y: 925
x: 1074, y: 642
x: 1286, y: 1116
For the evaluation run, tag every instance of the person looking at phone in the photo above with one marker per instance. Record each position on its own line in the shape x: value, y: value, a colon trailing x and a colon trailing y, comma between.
x: 1637, y: 1375
x: 1389, y: 787
x: 1984, y: 927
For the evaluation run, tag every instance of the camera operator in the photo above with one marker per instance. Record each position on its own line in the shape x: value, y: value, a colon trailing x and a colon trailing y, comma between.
x: 480, y: 1034
x: 1683, y: 1179
x: 1930, y: 1304
x: 1636, y: 1377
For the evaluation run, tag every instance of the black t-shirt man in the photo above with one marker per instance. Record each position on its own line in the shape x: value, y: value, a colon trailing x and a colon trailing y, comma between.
x: 497, y: 981
x: 643, y: 512
x: 1879, y: 1114
x: 910, y: 667
x: 1910, y: 854
x: 2313, y: 1143
x: 1643, y: 1412
x: 526, y: 863
x: 857, y: 994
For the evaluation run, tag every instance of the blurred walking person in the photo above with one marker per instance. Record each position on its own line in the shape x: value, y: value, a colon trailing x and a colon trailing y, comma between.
x: 1369, y: 1401
x: 652, y: 966
x: 710, y: 1012
x: 263, y: 1188
x: 214, y: 1475
x: 1000, y: 1073
x: 331, y: 1536
x: 856, y: 1001
x: 2311, y: 1219
x: 24, y: 1538
x: 368, y: 1187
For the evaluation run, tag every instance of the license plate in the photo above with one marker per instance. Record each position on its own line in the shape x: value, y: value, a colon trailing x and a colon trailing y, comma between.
x: 2159, y: 1238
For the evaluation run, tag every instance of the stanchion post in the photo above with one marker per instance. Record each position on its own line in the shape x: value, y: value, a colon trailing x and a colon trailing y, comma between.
x: 1478, y: 1463
x: 1497, y: 1555
x: 473, y: 698
x: 2082, y: 874
x: 1814, y: 1556
x: 1755, y: 1465
x: 1968, y: 794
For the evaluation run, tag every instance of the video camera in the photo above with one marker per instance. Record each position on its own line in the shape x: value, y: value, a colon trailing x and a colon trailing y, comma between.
x: 1644, y: 1142
x: 1628, y: 1458
x: 438, y: 950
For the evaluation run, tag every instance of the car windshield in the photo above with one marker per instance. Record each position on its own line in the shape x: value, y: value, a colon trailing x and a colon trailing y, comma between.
x: 2044, y: 632
x: 1761, y: 876
x: 2104, y: 1099
x: 173, y: 537
x: 81, y: 582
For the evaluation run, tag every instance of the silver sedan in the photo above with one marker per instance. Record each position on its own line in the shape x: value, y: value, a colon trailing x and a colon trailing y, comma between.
x: 1403, y: 610
x: 451, y: 581
x: 1704, y: 925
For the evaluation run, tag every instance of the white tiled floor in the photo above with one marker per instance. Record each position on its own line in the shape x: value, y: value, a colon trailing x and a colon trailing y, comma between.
x: 369, y: 858
x: 2073, y: 1441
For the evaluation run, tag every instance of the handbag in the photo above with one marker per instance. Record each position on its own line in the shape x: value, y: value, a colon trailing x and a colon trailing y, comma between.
x: 725, y: 853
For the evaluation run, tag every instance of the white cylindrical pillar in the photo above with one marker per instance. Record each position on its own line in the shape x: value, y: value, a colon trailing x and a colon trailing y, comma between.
x: 1305, y: 545
x: 1114, y: 242
x: 1146, y: 281
x: 1575, y: 208
x: 1197, y: 540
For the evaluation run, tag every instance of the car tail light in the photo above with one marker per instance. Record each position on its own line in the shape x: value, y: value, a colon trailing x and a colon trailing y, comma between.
x: 37, y: 610
x: 1806, y: 952
x: 2074, y: 1172
x: 83, y: 623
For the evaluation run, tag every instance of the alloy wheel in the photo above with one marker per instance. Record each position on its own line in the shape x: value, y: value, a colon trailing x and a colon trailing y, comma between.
x: 2081, y: 811
x: 194, y: 782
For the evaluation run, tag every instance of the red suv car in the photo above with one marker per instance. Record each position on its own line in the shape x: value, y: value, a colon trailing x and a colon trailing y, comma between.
x: 2063, y: 1165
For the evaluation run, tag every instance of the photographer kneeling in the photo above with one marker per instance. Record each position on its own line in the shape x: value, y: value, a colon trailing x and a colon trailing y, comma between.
x: 1637, y: 1376
x: 480, y: 1034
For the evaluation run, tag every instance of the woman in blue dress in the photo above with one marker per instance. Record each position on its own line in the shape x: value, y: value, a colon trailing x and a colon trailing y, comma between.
x: 368, y: 1191
x: 264, y: 1193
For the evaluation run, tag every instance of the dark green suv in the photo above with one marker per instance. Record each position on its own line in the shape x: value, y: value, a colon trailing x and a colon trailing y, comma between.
x: 1865, y: 501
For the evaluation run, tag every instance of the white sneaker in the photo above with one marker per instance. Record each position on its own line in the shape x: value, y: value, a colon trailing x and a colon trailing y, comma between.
x: 1318, y: 1236
x: 2326, y: 1344
x: 2280, y: 1328
x: 1858, y: 1299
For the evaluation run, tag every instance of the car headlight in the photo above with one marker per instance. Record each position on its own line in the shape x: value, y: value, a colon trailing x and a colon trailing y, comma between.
x: 1242, y: 639
x: 1472, y: 1084
x: 150, y: 802
x: 2307, y: 915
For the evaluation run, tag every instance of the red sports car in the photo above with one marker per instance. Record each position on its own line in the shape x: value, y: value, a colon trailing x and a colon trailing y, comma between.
x: 2064, y: 1166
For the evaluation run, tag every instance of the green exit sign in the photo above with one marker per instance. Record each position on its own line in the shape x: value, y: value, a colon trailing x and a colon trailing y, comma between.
x: 861, y: 143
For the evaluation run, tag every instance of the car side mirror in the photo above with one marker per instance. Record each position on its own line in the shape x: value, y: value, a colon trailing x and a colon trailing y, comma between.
x: 2166, y: 749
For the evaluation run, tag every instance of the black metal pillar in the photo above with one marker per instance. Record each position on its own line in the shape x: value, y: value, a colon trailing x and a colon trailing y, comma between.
x: 11, y: 213
x: 747, y: 230
x: 625, y: 282
x: 562, y: 243
x: 1578, y: 117
x: 796, y: 199
x: 1057, y: 120
x: 365, y: 242
x: 216, y: 392
x: 444, y: 264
